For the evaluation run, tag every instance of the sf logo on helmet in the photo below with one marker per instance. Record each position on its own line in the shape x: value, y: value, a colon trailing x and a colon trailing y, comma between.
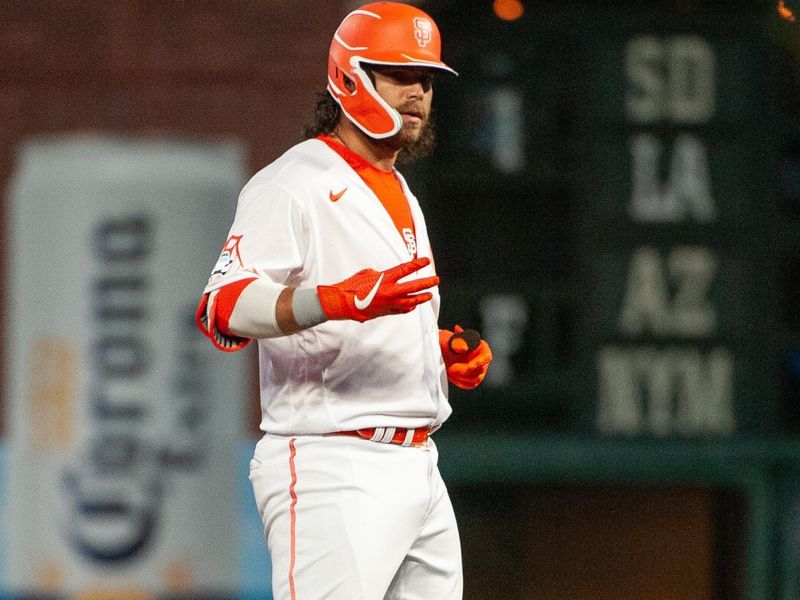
x: 422, y: 31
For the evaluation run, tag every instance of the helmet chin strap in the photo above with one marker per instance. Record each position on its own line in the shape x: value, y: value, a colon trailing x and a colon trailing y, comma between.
x: 375, y: 103
x: 372, y: 135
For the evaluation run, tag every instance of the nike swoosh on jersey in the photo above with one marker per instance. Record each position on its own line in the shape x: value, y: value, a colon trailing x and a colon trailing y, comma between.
x: 335, y: 197
x: 361, y: 304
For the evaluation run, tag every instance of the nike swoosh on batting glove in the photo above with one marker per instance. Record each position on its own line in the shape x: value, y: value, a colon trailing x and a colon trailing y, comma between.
x: 369, y: 294
x: 465, y: 370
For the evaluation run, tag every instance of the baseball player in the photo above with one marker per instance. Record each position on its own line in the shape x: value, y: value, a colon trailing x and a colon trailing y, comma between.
x: 329, y: 267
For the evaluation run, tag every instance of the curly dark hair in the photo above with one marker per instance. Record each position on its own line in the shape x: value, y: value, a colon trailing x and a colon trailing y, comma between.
x: 327, y: 113
x: 326, y: 116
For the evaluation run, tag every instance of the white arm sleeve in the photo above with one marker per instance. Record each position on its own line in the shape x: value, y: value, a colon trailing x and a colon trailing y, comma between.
x: 254, y: 314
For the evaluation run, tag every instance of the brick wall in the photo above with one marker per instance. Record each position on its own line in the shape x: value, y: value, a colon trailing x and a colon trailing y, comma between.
x: 244, y: 69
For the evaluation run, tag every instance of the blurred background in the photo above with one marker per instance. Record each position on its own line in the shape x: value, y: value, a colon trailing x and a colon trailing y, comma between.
x: 614, y: 203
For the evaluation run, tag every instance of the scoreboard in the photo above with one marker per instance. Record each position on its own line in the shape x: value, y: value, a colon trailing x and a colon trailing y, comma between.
x: 614, y: 202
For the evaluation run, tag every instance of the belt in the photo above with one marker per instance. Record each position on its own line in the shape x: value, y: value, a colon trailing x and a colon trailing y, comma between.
x: 391, y: 435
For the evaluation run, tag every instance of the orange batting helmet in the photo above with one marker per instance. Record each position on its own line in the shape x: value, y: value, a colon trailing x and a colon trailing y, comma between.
x: 381, y: 33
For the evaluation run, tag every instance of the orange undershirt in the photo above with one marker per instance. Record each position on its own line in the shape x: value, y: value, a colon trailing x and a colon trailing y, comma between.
x: 385, y: 185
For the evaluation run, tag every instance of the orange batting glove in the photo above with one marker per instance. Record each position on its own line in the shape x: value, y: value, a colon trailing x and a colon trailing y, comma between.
x: 465, y: 369
x: 369, y: 294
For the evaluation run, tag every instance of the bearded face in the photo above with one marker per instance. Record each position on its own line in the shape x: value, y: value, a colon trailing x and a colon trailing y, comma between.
x: 409, y: 91
x: 414, y: 143
x: 416, y: 117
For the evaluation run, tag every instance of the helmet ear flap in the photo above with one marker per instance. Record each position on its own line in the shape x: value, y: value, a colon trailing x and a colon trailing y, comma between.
x: 364, y: 106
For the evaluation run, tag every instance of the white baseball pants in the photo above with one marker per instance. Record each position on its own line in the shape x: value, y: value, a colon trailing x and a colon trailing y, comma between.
x: 350, y: 519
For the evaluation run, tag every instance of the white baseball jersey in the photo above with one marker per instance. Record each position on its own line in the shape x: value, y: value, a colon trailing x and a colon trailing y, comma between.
x: 309, y: 219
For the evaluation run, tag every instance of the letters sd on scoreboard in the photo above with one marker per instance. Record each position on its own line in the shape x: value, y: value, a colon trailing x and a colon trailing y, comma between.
x: 675, y: 167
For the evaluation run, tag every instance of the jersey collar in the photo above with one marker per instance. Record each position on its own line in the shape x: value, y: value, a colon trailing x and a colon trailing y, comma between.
x: 356, y: 161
